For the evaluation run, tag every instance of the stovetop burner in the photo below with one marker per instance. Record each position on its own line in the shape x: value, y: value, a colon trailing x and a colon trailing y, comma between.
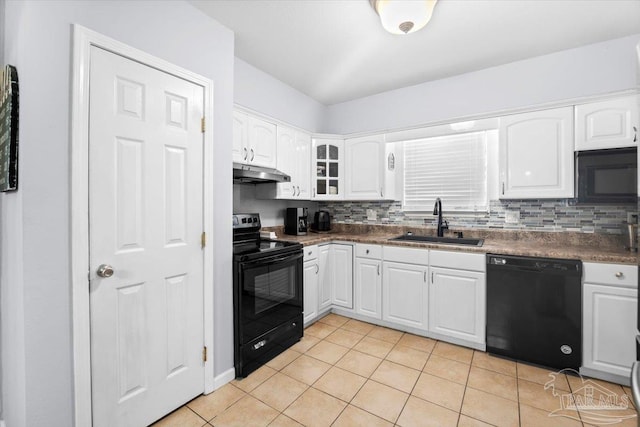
x: 260, y: 246
x: 247, y: 243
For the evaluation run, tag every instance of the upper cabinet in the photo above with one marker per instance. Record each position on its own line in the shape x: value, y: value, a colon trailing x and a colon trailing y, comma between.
x: 327, y: 169
x: 536, y: 155
x: 254, y: 140
x: 370, y: 169
x: 607, y: 124
x: 294, y: 159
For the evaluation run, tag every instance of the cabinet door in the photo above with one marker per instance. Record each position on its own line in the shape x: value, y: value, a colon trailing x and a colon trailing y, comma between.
x: 303, y: 166
x: 286, y: 161
x: 536, y: 155
x: 368, y: 287
x: 607, y: 124
x: 262, y: 143
x: 363, y: 170
x: 609, y: 328
x: 327, y: 164
x: 324, y: 277
x: 342, y: 269
x: 240, y: 135
x: 405, y: 294
x: 457, y: 304
x: 310, y: 292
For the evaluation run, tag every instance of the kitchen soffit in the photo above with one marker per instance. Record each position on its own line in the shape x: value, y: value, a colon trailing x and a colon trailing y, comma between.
x: 335, y: 51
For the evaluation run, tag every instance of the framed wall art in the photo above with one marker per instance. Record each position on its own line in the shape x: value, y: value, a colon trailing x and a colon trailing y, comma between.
x: 9, y: 109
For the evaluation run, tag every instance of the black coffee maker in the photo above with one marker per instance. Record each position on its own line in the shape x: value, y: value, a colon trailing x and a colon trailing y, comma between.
x: 296, y: 221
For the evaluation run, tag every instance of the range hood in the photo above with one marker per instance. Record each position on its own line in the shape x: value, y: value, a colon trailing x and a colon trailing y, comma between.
x: 257, y: 174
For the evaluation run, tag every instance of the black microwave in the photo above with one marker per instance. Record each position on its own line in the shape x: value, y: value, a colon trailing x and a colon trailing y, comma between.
x: 607, y: 176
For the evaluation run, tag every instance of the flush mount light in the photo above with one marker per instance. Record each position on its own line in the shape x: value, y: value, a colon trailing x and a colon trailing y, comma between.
x: 403, y: 16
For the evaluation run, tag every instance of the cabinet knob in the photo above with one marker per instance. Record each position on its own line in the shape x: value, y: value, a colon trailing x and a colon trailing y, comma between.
x: 367, y: 251
x: 252, y: 154
x: 619, y: 274
x: 246, y: 153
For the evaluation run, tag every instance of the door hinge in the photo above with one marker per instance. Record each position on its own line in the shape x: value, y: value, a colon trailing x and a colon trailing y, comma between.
x: 204, y: 353
x: 202, y: 125
x: 203, y: 239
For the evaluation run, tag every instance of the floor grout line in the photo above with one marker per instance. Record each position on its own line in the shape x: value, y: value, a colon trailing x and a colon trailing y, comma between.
x: 394, y: 344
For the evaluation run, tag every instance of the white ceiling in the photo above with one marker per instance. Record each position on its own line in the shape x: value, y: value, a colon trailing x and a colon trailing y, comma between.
x: 336, y: 50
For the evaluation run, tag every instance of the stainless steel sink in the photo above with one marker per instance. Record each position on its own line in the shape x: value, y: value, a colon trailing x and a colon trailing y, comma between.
x: 442, y: 240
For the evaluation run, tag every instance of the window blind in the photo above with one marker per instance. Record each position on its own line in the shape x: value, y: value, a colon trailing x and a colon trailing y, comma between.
x: 452, y: 167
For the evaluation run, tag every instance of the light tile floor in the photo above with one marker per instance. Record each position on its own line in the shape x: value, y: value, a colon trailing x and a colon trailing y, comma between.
x: 350, y: 373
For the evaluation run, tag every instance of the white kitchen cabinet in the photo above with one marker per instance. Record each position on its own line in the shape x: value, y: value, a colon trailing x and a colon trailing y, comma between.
x: 294, y: 159
x: 310, y: 281
x: 369, y: 173
x: 254, y: 140
x: 610, y: 301
x: 607, y: 124
x: 368, y: 281
x: 457, y: 295
x: 335, y: 275
x: 405, y: 294
x: 342, y: 267
x: 536, y: 155
x: 405, y: 291
x: 327, y: 169
x: 325, y: 276
x: 240, y: 137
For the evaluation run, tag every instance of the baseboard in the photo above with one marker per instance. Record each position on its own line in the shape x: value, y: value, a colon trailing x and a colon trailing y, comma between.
x: 222, y: 379
x: 612, y: 378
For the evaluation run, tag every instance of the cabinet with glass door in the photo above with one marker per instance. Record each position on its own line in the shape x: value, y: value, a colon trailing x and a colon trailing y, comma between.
x: 327, y: 169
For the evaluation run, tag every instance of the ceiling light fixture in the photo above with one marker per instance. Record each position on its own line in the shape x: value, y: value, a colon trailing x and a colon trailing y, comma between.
x: 403, y: 16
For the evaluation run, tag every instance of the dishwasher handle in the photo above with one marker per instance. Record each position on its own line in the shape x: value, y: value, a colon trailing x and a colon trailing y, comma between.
x: 563, y: 267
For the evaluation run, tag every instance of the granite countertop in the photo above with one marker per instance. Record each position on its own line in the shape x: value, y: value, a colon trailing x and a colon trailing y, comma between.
x: 585, y: 247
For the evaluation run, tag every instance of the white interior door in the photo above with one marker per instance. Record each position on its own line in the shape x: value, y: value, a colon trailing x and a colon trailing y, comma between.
x: 145, y: 220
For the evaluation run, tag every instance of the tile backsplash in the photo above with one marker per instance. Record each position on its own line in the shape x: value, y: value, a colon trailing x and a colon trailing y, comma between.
x: 534, y: 215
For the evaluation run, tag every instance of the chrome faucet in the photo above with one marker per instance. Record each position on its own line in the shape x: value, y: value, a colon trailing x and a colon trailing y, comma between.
x: 437, y: 210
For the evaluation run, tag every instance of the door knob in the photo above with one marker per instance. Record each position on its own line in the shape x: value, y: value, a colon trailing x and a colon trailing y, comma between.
x: 105, y: 271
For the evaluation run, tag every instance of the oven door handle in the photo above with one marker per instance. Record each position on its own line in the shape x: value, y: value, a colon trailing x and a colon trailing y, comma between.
x: 277, y: 259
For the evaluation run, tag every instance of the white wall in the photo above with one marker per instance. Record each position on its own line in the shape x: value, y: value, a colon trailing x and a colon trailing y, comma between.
x: 594, y: 69
x: 34, y: 242
x: 263, y: 93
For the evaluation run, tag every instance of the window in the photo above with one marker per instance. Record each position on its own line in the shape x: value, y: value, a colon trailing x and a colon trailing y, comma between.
x: 453, y: 168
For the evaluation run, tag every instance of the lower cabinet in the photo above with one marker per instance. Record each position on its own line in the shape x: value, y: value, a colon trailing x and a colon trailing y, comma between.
x: 610, y: 303
x: 335, y: 277
x: 324, y: 277
x: 310, y: 291
x: 457, y: 304
x: 405, y: 294
x: 341, y: 257
x: 368, y: 286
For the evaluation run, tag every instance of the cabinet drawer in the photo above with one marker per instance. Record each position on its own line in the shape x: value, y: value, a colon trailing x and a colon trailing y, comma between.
x: 369, y: 251
x: 310, y: 252
x: 406, y: 255
x: 611, y: 274
x: 457, y: 260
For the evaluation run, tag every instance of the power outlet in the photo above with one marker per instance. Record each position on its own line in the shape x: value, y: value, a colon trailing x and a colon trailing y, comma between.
x: 512, y: 217
x: 372, y: 215
x: 632, y: 218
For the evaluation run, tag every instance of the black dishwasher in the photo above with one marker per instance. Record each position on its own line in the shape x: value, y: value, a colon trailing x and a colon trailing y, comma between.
x: 534, y: 310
